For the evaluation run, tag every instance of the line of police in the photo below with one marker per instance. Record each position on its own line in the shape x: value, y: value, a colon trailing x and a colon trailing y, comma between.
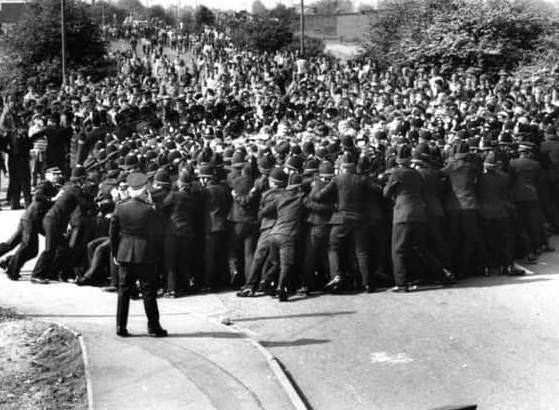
x: 316, y: 191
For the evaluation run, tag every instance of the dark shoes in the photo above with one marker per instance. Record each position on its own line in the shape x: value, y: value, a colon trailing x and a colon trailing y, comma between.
x: 334, y: 285
x: 85, y: 281
x: 513, y: 271
x: 122, y: 332
x: 246, y: 293
x: 157, y: 332
x: 111, y: 289
x: 408, y: 287
x: 267, y: 288
x: 282, y: 295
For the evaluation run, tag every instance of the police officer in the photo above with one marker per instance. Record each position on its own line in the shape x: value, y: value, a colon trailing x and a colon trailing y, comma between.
x: 55, y: 224
x: 217, y: 201
x: 132, y: 240
x: 405, y: 187
x: 316, y: 271
x: 277, y: 180
x: 349, y: 191
x: 29, y: 228
x: 289, y: 208
x: 18, y: 145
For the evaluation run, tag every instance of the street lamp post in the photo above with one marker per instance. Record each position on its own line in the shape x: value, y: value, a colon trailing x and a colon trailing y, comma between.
x: 302, y: 25
x: 63, y: 38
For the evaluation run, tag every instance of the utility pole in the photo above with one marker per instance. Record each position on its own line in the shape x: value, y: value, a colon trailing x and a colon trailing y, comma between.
x: 103, y: 18
x: 63, y: 38
x: 302, y: 24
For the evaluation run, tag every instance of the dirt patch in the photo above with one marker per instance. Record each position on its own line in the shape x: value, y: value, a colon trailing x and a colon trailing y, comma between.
x: 41, y: 366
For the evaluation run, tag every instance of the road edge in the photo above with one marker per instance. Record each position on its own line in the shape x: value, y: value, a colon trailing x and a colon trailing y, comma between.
x: 285, y: 381
x: 85, y: 360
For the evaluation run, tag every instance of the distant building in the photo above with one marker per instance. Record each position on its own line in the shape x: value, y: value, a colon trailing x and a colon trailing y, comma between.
x: 10, y: 11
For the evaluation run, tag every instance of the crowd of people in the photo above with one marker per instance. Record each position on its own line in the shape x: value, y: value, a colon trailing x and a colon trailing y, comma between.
x: 278, y: 174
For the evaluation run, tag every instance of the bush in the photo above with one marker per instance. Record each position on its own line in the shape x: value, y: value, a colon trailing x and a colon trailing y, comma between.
x: 314, y: 47
x: 489, y: 34
x: 35, y: 42
x: 261, y: 34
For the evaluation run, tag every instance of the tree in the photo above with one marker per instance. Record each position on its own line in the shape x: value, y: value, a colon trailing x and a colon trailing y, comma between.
x: 166, y: 16
x: 331, y: 6
x: 489, y: 34
x: 261, y: 33
x: 111, y: 11
x: 133, y: 7
x: 36, y: 39
x: 284, y: 13
x: 203, y: 16
x: 186, y: 19
x: 258, y: 8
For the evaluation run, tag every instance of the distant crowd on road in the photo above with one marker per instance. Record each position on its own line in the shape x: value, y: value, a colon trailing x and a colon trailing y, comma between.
x: 274, y: 173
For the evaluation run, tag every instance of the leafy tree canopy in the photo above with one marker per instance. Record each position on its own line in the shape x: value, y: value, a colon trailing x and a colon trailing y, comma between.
x: 203, y: 16
x: 331, y: 6
x: 494, y: 34
x: 261, y: 33
x: 37, y: 36
x: 259, y: 8
x: 166, y: 16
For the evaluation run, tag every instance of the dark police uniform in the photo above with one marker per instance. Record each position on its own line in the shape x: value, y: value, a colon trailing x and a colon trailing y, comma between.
x: 55, y: 225
x: 405, y: 186
x: 132, y: 242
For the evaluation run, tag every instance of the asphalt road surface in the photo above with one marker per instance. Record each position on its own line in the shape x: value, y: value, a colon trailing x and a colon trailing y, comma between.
x: 489, y: 341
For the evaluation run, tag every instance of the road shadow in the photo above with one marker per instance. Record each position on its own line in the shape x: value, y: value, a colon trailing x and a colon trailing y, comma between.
x: 213, y: 335
x: 482, y: 282
x: 292, y: 343
x: 301, y: 315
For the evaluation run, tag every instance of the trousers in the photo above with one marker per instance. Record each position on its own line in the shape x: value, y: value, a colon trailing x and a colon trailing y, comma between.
x: 410, y: 255
x: 353, y: 234
x: 128, y: 274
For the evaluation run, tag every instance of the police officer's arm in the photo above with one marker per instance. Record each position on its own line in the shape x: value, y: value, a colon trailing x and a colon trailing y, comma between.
x: 319, y: 207
x: 114, y: 232
x: 391, y: 186
x: 330, y: 189
x: 267, y: 209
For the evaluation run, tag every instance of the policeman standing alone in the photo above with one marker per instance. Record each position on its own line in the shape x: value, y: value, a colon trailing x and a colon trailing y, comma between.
x: 132, y: 242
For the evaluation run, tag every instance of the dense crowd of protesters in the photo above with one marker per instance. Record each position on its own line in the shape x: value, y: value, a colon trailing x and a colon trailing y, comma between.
x: 274, y: 173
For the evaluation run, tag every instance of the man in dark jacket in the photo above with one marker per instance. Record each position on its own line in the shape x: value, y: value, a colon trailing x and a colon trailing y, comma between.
x: 29, y: 228
x: 433, y: 185
x: 244, y: 229
x: 494, y: 210
x: 405, y: 187
x: 58, y: 143
x: 526, y: 173
x: 131, y: 235
x: 183, y: 209
x: 17, y: 145
x: 289, y: 208
x: 462, y: 210
x: 316, y: 270
x: 549, y: 155
x: 349, y: 191
x: 55, y: 225
x: 277, y: 180
x: 217, y: 201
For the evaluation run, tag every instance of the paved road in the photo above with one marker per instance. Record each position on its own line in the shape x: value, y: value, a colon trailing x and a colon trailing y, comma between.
x: 491, y: 341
